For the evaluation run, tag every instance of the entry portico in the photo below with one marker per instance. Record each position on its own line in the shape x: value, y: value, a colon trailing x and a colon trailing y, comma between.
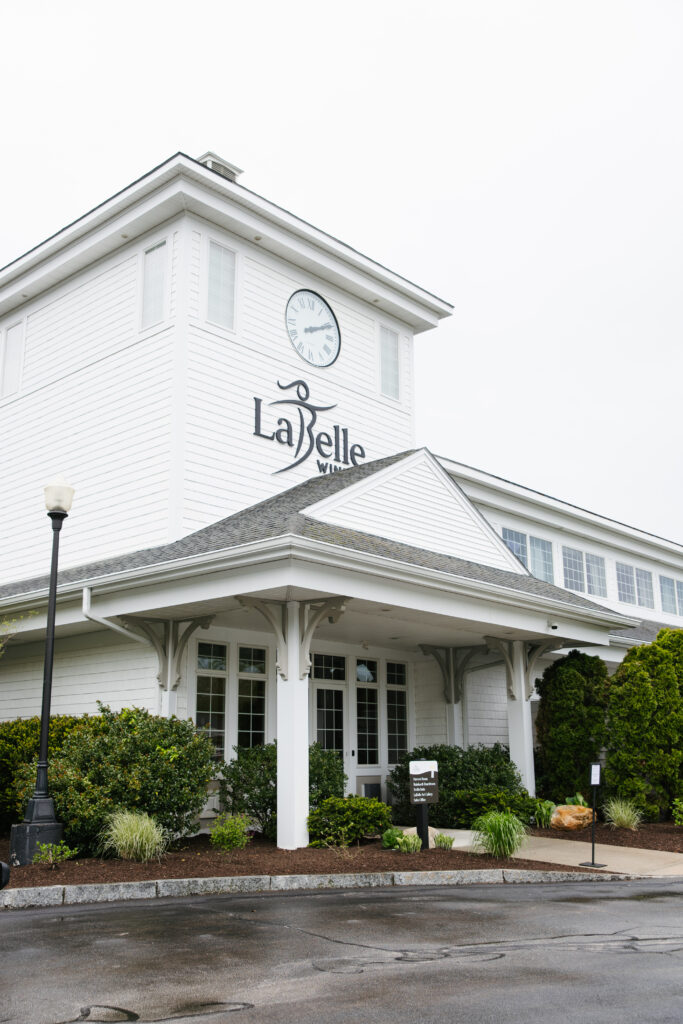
x: 354, y: 582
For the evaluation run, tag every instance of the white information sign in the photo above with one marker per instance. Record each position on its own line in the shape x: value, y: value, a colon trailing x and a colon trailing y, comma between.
x: 595, y: 775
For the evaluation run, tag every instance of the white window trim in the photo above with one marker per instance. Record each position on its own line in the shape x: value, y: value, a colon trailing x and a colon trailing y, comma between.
x: 395, y: 329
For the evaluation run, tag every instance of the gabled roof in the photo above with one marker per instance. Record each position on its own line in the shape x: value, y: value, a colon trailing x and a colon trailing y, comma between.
x: 285, y: 514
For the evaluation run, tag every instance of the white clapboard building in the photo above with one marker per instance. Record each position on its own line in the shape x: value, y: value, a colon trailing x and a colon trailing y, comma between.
x: 255, y: 541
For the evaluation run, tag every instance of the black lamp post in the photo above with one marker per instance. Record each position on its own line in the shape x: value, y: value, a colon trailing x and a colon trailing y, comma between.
x: 40, y: 824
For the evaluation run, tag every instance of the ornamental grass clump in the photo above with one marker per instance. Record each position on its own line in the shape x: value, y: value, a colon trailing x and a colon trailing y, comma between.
x: 621, y: 813
x: 133, y: 835
x: 442, y: 841
x: 499, y: 833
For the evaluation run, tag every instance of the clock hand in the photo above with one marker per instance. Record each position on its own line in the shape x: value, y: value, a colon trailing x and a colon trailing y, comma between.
x: 322, y: 327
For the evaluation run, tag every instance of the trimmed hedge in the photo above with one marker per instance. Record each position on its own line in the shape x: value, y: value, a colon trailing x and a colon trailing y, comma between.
x: 340, y: 821
x: 19, y: 745
x: 478, y: 769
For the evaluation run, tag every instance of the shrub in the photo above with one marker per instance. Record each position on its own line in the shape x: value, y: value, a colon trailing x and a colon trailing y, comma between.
x: 389, y: 838
x: 53, y: 854
x: 339, y: 821
x: 575, y: 801
x: 644, y: 755
x: 622, y: 814
x: 571, y: 722
x: 19, y: 743
x: 133, y: 835
x: 443, y: 842
x: 408, y: 843
x: 677, y: 812
x: 230, y: 833
x: 499, y: 833
x: 477, y: 768
x: 249, y: 783
x: 461, y: 808
x: 130, y: 760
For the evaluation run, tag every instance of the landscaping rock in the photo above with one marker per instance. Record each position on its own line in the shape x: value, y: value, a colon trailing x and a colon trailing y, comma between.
x: 570, y: 818
x: 108, y: 892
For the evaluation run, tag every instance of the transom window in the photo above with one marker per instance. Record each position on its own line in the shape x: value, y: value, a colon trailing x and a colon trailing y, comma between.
x: 329, y: 666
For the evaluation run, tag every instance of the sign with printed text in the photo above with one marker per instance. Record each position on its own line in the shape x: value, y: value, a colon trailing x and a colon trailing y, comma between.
x: 424, y: 782
x: 595, y: 774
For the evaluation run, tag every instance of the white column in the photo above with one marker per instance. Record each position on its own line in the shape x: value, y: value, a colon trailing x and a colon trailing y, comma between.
x: 519, y: 718
x: 292, y: 740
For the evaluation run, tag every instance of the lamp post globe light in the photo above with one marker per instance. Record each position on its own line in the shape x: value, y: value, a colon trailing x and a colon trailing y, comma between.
x: 40, y: 824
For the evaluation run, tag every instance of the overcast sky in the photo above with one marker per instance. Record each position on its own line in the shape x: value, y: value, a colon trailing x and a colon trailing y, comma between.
x: 523, y: 160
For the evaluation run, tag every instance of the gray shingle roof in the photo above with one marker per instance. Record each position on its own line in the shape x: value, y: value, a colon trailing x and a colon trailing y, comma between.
x: 284, y: 514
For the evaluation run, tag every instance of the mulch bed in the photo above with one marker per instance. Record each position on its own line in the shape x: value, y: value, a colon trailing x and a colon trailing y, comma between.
x: 196, y: 858
x: 664, y: 836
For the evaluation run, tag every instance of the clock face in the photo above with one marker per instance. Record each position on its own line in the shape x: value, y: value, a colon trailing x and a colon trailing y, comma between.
x: 312, y: 328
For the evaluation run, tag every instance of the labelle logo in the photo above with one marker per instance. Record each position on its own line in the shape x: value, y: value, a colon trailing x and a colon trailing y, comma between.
x: 300, y: 434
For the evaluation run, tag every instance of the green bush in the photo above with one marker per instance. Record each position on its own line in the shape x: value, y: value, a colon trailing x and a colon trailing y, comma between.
x: 677, y: 812
x: 230, y: 833
x: 130, y: 760
x: 477, y: 768
x: 644, y: 755
x: 249, y: 782
x: 133, y: 835
x: 19, y: 743
x: 53, y: 854
x: 571, y: 722
x: 339, y: 821
x: 389, y: 838
x: 499, y: 833
x: 543, y: 813
x: 577, y: 800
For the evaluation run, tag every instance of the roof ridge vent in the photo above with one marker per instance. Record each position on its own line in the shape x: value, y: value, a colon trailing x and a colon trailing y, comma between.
x: 220, y: 166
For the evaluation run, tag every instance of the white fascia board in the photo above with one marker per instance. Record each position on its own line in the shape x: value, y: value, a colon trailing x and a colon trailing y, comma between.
x: 188, y: 185
x: 506, y: 496
x: 237, y: 568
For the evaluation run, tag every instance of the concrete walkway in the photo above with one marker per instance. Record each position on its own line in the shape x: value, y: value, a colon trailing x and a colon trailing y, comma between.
x: 625, y: 860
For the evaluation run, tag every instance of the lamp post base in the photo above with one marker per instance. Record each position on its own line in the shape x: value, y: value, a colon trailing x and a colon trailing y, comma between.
x: 39, y: 826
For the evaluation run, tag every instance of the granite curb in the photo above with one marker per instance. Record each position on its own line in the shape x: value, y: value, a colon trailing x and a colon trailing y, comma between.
x: 68, y: 895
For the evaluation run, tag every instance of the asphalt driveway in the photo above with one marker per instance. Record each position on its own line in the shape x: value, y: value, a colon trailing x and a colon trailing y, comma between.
x: 576, y: 952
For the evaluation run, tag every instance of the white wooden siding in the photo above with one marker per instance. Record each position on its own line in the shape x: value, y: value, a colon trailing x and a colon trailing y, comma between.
x: 417, y: 506
x: 430, y: 707
x: 486, y: 706
x: 87, y: 668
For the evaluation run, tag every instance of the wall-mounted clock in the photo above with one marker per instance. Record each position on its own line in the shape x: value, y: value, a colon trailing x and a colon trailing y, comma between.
x: 312, y: 328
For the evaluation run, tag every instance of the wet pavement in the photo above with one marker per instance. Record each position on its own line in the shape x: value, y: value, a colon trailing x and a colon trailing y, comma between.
x: 609, y: 952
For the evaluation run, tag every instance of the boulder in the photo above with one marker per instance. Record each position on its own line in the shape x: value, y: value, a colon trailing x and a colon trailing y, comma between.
x: 569, y: 818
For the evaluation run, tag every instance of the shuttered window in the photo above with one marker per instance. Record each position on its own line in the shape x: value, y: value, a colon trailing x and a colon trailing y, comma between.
x: 11, y: 360
x: 154, y: 285
x: 389, y: 375
x: 221, y: 295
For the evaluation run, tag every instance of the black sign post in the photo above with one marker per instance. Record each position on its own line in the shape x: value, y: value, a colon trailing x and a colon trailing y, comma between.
x: 595, y: 782
x: 424, y: 790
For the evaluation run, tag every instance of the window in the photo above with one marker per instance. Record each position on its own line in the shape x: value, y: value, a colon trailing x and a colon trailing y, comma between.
x: 330, y: 719
x: 211, y: 680
x: 584, y: 572
x: 672, y: 594
x: 221, y: 286
x: 329, y: 666
x: 397, y: 711
x: 388, y: 357
x: 154, y: 285
x: 11, y: 360
x: 533, y: 552
x: 634, y: 586
x: 367, y: 717
x: 251, y: 697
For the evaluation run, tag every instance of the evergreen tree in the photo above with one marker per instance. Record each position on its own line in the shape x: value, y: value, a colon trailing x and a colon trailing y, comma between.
x: 570, y: 726
x: 645, y: 726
